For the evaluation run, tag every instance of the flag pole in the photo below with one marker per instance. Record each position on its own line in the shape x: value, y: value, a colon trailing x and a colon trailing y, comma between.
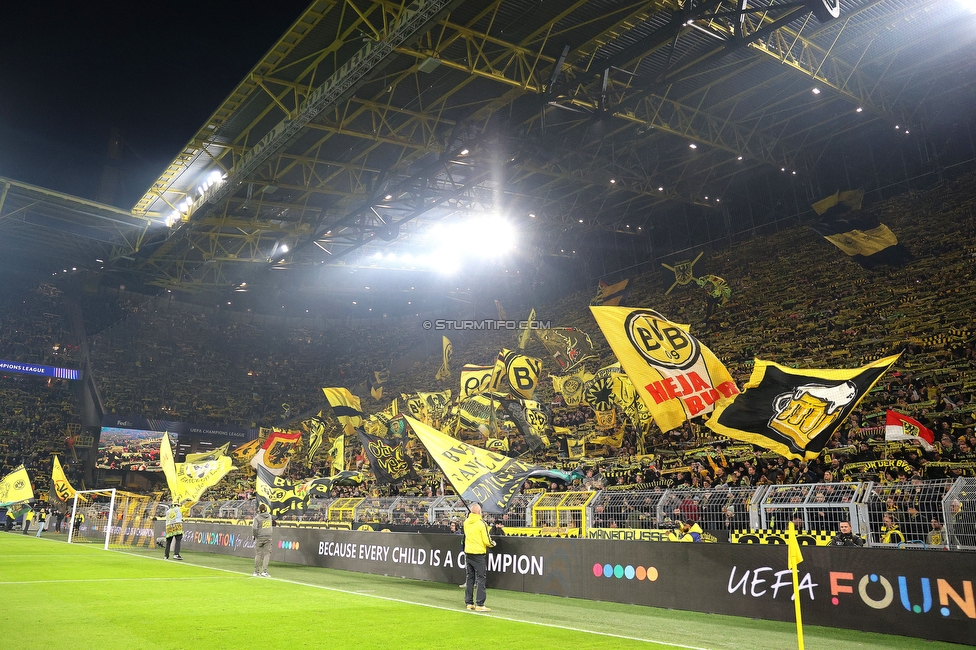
x: 795, y: 557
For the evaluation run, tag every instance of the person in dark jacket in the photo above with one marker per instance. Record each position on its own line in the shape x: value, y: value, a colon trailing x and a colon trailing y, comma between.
x: 261, y: 530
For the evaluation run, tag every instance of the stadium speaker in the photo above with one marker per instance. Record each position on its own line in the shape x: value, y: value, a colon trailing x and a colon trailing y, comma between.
x: 389, y: 233
x: 824, y: 10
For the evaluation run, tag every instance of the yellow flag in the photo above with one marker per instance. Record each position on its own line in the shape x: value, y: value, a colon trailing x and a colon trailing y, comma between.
x: 346, y: 406
x: 15, y: 487
x: 338, y: 454
x: 448, y: 352
x: 245, y: 452
x: 527, y: 331
x: 677, y: 377
x: 523, y: 373
x: 208, y: 455
x: 60, y: 482
x: 167, y: 462
x: 795, y: 556
x: 194, y: 478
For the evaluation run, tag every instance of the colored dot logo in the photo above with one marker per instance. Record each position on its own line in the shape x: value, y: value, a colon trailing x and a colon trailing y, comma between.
x: 288, y: 546
x: 630, y: 572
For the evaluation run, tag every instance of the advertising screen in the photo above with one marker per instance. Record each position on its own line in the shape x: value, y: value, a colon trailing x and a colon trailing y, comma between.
x: 134, y: 450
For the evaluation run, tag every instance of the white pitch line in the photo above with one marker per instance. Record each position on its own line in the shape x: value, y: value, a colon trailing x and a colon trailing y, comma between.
x: 43, y: 582
x: 449, y: 609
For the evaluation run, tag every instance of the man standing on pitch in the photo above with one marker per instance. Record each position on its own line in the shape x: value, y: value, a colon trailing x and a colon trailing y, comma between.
x: 477, y: 541
x: 174, y: 530
x: 261, y: 529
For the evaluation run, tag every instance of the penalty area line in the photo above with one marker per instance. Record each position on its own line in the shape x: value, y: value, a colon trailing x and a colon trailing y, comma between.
x: 450, y: 609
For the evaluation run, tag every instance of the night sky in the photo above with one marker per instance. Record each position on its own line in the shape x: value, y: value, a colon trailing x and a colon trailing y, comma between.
x: 71, y: 71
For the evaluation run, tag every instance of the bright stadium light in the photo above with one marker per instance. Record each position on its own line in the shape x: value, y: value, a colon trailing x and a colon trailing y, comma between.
x: 484, y: 237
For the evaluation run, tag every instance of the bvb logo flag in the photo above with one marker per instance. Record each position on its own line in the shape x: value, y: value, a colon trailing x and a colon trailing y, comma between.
x: 523, y: 373
x: 571, y: 386
x: 59, y: 482
x: 476, y: 380
x: 448, y: 352
x: 279, y: 494
x: 337, y: 452
x: 677, y: 377
x: 387, y: 458
x: 531, y: 421
x: 793, y: 412
x: 15, y: 487
x: 497, y: 444
x: 346, y: 407
x: 479, y: 475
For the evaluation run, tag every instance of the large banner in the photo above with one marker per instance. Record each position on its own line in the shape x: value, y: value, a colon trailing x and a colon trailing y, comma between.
x: 913, y: 593
x: 676, y: 376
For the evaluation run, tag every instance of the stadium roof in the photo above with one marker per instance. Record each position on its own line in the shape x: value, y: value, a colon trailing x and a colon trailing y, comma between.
x: 371, y: 120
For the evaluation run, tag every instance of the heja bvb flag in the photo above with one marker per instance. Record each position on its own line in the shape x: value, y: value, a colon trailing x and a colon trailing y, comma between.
x: 902, y: 427
x: 792, y: 411
x: 479, y: 475
x: 676, y: 377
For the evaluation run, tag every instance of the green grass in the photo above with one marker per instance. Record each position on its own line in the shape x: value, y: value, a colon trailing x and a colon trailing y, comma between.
x: 136, y: 599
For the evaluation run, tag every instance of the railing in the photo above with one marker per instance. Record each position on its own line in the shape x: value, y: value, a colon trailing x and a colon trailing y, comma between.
x: 928, y: 514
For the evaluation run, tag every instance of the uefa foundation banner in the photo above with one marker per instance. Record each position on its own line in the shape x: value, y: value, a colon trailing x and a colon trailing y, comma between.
x: 924, y: 594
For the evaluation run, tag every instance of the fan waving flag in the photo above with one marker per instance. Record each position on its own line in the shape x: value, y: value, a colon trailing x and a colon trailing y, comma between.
x: 346, y: 407
x: 479, y: 475
x: 677, y: 377
x: 388, y: 458
x: 794, y: 412
x: 902, y: 427
x: 276, y: 451
x: 59, y: 482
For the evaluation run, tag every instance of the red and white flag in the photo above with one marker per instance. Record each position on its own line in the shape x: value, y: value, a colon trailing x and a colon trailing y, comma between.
x: 276, y: 451
x: 902, y: 427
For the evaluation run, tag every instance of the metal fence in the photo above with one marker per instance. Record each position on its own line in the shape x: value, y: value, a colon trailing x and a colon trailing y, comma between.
x: 908, y: 514
x: 924, y: 514
x: 812, y: 507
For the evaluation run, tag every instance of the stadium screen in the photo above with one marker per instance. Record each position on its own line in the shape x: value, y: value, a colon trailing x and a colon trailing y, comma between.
x: 133, y: 450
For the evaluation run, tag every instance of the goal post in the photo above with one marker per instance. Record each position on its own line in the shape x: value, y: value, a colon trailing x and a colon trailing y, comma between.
x: 88, y: 509
x: 113, y: 519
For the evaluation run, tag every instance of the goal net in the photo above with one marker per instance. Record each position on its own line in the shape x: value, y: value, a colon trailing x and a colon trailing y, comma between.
x: 112, y: 518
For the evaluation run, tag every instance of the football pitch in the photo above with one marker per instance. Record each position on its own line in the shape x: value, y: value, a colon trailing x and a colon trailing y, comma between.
x: 52, y: 591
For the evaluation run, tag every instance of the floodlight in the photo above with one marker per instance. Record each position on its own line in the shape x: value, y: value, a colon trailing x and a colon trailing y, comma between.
x: 284, y: 248
x: 816, y: 91
x: 860, y: 110
x: 693, y: 145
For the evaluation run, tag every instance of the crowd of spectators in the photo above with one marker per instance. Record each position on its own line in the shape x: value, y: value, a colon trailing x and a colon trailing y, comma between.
x: 36, y: 413
x: 796, y: 300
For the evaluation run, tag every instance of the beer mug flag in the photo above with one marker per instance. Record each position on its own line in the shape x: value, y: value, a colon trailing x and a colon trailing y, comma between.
x: 676, y: 377
x: 793, y: 411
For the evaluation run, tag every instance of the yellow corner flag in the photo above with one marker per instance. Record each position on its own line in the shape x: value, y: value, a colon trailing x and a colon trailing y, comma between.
x: 795, y: 557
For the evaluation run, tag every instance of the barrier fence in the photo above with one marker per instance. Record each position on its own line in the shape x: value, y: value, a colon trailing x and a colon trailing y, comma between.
x: 917, y: 514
